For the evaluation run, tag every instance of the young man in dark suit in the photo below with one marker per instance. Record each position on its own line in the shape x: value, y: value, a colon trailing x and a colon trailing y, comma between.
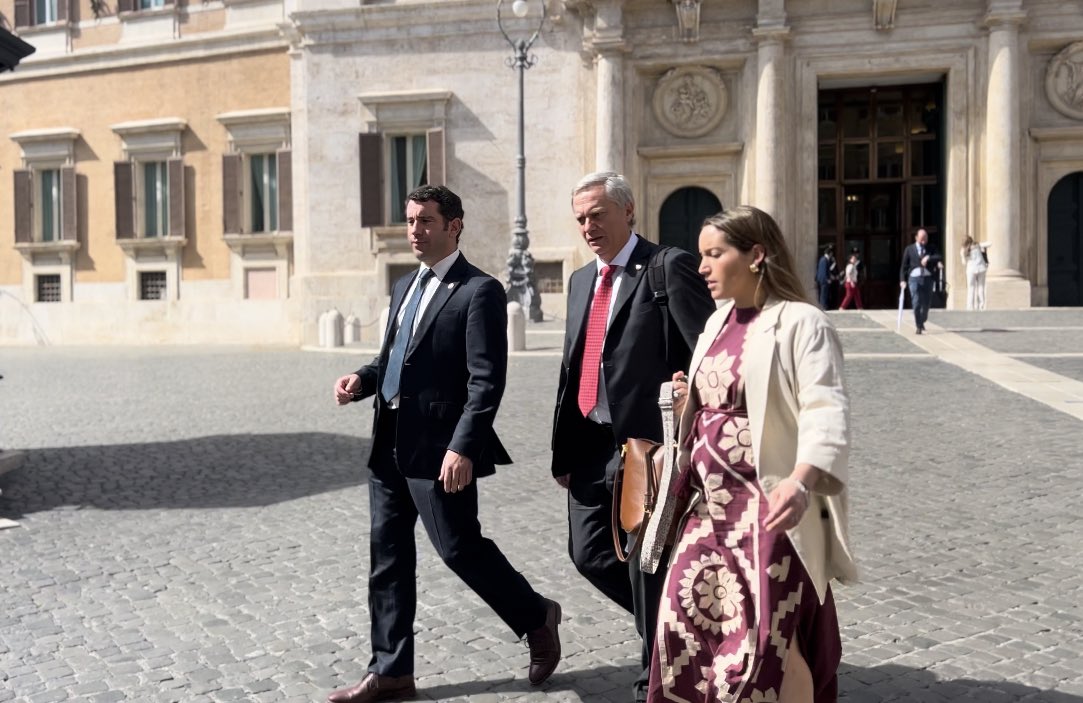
x: 615, y: 357
x: 917, y: 259
x: 438, y: 381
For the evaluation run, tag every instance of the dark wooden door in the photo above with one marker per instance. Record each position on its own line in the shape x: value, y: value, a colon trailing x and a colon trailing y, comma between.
x: 682, y: 216
x: 1066, y: 241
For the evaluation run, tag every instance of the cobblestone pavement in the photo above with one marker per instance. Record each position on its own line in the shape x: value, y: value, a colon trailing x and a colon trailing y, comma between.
x: 193, y: 527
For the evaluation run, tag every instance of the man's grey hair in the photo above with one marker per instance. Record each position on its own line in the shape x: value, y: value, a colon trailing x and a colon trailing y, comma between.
x: 616, y: 188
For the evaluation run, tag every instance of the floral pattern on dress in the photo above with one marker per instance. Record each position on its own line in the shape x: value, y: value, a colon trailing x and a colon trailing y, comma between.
x: 714, y: 378
x: 711, y: 595
x: 737, y: 440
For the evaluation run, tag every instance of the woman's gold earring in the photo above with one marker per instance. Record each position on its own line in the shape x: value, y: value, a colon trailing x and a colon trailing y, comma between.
x: 753, y: 268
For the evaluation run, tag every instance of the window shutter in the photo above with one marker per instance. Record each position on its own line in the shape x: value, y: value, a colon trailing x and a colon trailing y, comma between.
x: 24, y: 189
x: 124, y: 203
x: 125, y: 6
x: 24, y: 13
x: 62, y: 10
x: 175, y: 174
x: 285, y: 191
x: 371, y: 153
x: 231, y: 193
x: 434, y: 142
x: 69, y: 223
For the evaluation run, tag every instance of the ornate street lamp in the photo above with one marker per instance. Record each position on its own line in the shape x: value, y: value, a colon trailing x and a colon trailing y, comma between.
x: 522, y: 282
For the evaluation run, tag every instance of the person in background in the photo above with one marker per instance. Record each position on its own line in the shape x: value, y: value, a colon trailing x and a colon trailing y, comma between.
x: 977, y: 263
x: 915, y: 272
x: 827, y: 273
x: 850, y: 281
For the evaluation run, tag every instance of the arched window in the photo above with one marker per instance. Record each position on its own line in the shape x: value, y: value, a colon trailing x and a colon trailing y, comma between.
x: 682, y: 216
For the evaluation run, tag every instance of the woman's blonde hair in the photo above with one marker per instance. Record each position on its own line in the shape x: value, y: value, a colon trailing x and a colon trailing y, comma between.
x: 744, y: 227
x: 968, y: 243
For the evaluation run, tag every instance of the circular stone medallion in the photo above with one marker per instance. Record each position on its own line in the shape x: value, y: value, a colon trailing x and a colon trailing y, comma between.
x: 690, y: 102
x: 1064, y: 81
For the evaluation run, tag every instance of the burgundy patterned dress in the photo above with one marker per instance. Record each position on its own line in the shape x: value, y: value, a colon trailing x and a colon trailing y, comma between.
x: 735, y: 594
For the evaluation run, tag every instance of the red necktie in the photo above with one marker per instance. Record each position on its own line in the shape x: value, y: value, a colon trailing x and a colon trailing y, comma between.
x: 592, y: 350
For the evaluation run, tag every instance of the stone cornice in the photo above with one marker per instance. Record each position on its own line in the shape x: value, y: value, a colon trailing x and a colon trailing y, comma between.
x: 448, y: 18
x: 1004, y: 18
x: 766, y: 34
x: 1056, y: 134
x: 108, y: 58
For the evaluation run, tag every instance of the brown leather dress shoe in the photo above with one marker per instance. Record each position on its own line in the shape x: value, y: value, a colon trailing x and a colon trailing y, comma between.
x: 375, y: 687
x: 544, y: 645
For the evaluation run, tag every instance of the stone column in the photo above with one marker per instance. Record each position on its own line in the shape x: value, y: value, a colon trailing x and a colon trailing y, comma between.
x: 609, y: 127
x: 608, y: 45
x: 1004, y: 230
x: 770, y: 131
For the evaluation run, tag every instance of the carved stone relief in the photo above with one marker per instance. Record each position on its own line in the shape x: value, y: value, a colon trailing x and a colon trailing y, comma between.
x: 690, y: 101
x: 1064, y: 81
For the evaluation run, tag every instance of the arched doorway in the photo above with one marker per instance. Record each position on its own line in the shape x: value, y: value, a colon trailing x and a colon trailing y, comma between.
x: 1065, y: 243
x: 682, y: 216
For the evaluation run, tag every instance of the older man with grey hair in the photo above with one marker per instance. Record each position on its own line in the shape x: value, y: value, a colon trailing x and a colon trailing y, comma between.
x: 623, y: 340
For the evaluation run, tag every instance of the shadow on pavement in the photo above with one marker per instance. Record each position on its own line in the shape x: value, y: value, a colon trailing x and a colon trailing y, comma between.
x: 590, y: 684
x: 217, y: 471
x: 903, y: 684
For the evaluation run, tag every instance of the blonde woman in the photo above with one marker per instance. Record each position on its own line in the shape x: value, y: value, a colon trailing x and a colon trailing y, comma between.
x: 974, y: 257
x: 747, y: 612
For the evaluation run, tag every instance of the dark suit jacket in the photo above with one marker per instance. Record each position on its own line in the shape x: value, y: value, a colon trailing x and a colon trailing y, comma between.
x: 452, y: 378
x: 635, y: 360
x: 911, y: 260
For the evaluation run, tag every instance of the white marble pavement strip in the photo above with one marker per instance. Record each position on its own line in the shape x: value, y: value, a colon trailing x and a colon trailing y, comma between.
x: 1056, y: 391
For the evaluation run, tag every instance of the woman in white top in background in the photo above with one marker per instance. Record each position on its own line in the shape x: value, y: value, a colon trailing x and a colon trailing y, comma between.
x: 976, y: 265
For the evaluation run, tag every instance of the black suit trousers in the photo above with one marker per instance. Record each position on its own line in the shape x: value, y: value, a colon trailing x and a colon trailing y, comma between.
x: 451, y: 521
x: 590, y: 540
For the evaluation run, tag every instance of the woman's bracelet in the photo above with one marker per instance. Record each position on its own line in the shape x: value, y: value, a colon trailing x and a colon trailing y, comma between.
x: 800, y: 486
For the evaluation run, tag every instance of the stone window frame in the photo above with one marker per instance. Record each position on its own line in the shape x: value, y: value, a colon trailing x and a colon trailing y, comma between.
x: 251, y: 132
x: 142, y: 142
x: 388, y: 115
x: 46, y: 149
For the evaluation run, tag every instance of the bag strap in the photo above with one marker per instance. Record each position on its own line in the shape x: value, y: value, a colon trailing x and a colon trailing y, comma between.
x: 656, y: 278
x: 657, y: 528
x: 614, y: 514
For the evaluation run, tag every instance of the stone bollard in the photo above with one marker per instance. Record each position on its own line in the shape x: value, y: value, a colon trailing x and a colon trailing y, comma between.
x: 331, y: 329
x: 321, y: 330
x: 352, y: 332
x: 516, y: 327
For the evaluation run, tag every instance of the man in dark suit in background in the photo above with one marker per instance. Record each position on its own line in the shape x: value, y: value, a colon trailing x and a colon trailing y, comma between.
x: 615, y: 357
x: 438, y: 382
x: 916, y: 261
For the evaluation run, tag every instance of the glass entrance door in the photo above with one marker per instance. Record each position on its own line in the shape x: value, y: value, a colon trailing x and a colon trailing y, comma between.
x: 879, y: 166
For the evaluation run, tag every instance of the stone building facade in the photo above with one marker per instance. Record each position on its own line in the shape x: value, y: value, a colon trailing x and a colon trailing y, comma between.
x: 118, y: 139
x: 853, y: 121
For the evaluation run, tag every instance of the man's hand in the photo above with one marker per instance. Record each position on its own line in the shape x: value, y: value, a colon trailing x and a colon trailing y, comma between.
x: 925, y: 261
x: 563, y: 481
x: 456, y: 472
x: 346, y: 387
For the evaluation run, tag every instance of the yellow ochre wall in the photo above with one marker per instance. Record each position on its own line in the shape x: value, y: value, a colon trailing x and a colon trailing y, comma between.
x: 194, y: 90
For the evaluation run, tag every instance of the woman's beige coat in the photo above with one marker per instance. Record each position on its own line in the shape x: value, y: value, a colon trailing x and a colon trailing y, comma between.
x: 798, y: 412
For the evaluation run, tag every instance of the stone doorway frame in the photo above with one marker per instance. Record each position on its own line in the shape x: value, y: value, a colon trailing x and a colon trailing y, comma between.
x: 1059, y: 154
x: 961, y: 146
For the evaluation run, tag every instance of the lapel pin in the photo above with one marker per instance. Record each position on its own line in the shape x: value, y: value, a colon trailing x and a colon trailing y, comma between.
x: 639, y: 266
x: 450, y: 286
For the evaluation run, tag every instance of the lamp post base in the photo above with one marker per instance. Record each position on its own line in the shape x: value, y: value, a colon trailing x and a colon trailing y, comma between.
x: 523, y: 283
